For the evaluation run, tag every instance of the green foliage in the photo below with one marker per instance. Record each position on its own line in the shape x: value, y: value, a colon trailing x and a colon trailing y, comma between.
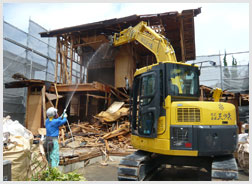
x: 225, y: 59
x: 234, y: 61
x: 54, y: 174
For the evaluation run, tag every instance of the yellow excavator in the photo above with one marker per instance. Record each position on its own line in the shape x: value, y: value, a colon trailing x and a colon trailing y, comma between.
x: 169, y: 124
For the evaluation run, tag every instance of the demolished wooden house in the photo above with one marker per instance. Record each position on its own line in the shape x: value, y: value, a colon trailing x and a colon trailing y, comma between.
x: 102, y: 80
x: 88, y: 45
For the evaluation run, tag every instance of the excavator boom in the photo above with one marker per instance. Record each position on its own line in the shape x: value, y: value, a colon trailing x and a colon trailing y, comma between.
x: 156, y: 43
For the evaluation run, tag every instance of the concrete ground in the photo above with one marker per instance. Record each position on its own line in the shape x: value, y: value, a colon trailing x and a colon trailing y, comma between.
x: 98, y: 172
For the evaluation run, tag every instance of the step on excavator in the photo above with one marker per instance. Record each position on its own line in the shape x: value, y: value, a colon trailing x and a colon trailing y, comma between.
x: 169, y: 125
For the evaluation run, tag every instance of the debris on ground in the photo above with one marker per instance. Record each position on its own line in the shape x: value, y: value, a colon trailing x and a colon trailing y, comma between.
x: 113, y: 113
x: 107, y: 134
x: 243, y: 156
x: 242, y: 152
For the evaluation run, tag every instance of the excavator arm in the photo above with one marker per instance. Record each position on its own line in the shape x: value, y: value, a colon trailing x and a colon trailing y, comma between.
x: 156, y: 43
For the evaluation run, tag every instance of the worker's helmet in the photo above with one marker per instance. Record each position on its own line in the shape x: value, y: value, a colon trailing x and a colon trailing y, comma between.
x: 51, y: 112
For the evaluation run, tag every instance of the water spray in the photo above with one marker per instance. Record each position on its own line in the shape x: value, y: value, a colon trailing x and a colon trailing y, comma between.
x: 66, y: 109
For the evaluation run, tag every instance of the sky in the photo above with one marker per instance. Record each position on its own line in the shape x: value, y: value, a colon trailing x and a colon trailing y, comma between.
x: 219, y: 26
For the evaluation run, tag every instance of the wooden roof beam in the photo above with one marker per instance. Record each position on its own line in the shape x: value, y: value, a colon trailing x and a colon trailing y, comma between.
x: 95, y: 86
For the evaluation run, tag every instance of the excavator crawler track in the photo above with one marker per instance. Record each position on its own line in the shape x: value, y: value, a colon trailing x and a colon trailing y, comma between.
x: 224, y: 168
x: 136, y: 167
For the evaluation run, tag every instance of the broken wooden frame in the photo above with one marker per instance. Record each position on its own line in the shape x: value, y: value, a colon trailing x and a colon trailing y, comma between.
x: 66, y: 55
x: 40, y: 98
x: 77, y: 43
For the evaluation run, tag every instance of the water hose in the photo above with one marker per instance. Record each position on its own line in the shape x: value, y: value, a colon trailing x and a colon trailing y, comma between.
x: 68, y: 124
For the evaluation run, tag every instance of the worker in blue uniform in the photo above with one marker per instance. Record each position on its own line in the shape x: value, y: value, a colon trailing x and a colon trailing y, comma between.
x: 52, y: 124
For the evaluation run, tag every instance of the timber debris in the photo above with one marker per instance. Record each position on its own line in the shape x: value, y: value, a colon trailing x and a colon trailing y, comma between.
x: 108, y: 133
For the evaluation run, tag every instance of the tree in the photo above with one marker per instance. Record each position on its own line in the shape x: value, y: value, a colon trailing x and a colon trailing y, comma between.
x: 225, y: 59
x: 234, y: 61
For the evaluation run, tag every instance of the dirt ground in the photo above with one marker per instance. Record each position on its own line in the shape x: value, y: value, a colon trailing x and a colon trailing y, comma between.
x: 98, y: 172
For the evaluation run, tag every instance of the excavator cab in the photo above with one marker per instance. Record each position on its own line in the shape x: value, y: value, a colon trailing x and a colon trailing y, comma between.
x: 152, y: 87
x: 169, y: 124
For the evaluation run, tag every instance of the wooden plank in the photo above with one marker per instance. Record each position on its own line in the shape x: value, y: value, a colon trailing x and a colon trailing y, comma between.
x: 71, y: 60
x: 62, y: 136
x: 81, y: 60
x: 118, y: 91
x: 96, y: 96
x: 117, y: 153
x: 56, y: 61
x: 116, y: 95
x: 81, y: 87
x: 115, y: 107
x: 201, y: 94
x: 182, y: 40
x: 48, y: 105
x: 94, y: 41
x: 124, y: 67
x: 117, y: 134
x: 61, y: 66
x: 27, y: 108
x: 109, y: 99
x: 89, y: 43
x: 107, y: 146
x: 49, y: 100
x: 87, y: 100
x: 65, y: 64
x: 62, y: 62
x: 34, y: 112
x: 44, y: 103
x: 56, y: 91
x: 89, y: 156
x: 114, y: 132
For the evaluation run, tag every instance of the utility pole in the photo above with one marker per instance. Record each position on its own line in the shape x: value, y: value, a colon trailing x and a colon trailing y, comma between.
x: 221, y: 71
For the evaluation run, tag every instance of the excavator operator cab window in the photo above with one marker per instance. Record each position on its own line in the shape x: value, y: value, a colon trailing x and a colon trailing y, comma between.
x: 183, y: 80
x: 146, y: 102
x: 147, y: 89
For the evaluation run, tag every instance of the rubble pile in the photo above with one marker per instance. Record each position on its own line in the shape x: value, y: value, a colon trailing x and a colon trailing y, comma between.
x: 107, y: 134
x: 242, y: 152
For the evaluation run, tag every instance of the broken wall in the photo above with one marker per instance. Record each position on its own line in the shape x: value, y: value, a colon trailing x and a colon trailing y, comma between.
x: 34, y: 109
x: 103, y: 75
x: 124, y: 66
